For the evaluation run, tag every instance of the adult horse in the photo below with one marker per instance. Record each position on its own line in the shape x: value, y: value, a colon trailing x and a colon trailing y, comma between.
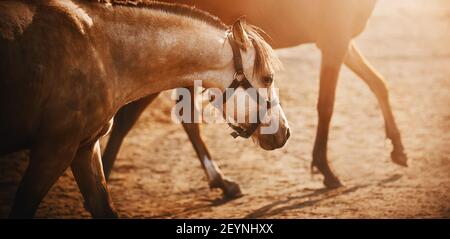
x: 68, y: 66
x: 331, y: 25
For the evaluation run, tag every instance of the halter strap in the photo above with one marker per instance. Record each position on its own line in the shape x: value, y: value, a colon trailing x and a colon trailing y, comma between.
x: 240, y: 80
x: 237, y: 57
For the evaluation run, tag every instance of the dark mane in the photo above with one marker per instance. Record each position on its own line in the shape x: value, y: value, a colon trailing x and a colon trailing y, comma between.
x: 175, y: 8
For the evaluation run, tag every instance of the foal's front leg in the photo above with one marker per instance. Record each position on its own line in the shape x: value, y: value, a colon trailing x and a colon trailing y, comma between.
x: 215, y: 176
x: 88, y: 171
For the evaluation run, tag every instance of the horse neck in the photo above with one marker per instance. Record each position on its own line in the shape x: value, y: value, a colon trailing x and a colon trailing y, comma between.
x: 148, y: 51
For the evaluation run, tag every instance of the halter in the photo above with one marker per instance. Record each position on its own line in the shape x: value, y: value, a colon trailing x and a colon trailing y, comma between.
x: 240, y: 80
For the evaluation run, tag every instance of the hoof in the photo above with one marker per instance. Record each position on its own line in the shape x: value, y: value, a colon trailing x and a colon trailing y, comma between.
x: 399, y: 158
x: 332, y: 183
x: 231, y: 189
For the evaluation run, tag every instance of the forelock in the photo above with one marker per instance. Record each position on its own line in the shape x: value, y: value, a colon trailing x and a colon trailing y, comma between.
x: 265, y: 59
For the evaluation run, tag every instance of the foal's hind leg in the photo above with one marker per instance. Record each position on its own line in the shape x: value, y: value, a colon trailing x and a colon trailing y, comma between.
x: 215, y: 177
x: 88, y: 172
x: 123, y: 122
x: 48, y: 160
x: 358, y: 64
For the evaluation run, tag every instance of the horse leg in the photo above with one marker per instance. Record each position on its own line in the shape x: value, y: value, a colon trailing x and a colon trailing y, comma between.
x: 124, y: 120
x: 361, y: 67
x: 332, y: 59
x: 215, y: 177
x: 48, y: 160
x: 88, y: 172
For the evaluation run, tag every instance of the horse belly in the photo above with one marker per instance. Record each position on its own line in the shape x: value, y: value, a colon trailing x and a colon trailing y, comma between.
x: 362, y: 15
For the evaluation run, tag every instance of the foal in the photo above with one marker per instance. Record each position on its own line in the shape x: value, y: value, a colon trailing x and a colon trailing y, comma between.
x: 68, y: 66
x: 331, y: 25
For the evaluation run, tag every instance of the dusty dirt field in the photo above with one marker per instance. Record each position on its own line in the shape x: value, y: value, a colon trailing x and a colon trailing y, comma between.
x: 158, y: 175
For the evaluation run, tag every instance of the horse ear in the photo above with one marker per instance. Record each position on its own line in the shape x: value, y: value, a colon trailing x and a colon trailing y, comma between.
x: 239, y: 33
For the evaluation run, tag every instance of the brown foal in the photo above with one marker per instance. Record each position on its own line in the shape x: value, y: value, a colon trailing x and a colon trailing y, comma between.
x: 68, y: 66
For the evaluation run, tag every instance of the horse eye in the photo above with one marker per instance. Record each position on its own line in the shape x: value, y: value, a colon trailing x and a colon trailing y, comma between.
x: 268, y: 80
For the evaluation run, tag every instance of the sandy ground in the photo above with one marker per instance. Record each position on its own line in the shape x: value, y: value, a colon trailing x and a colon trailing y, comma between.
x: 158, y: 175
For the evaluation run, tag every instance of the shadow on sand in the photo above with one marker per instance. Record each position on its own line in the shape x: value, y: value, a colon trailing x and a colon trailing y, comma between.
x: 198, y: 207
x: 275, y: 208
x: 311, y: 199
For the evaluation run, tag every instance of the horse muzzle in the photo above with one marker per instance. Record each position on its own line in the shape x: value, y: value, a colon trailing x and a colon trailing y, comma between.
x: 274, y: 141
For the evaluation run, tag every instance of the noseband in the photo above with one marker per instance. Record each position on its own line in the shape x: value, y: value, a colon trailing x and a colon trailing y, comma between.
x: 240, y: 80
